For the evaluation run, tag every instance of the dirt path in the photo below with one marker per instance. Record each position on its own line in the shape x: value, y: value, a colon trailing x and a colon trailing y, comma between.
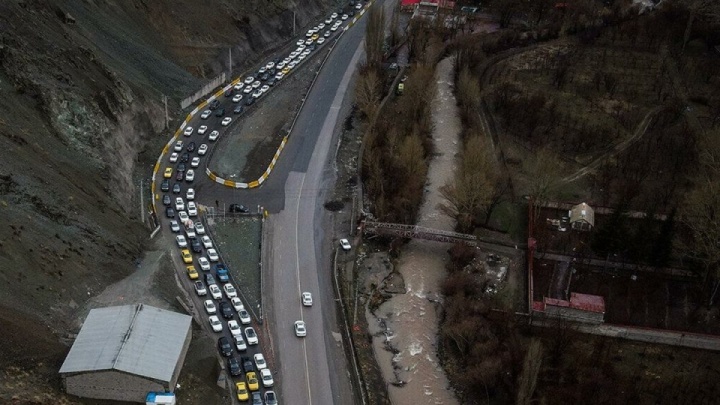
x: 411, y: 319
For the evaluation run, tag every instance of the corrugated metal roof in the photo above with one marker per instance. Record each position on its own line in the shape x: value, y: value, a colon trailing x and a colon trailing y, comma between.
x: 138, y: 339
x: 586, y: 302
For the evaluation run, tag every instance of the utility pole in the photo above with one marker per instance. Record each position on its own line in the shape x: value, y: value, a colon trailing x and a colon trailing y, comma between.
x: 167, y: 119
x: 293, y: 22
x: 229, y: 62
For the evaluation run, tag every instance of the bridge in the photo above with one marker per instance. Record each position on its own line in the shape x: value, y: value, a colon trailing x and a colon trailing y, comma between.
x: 417, y: 232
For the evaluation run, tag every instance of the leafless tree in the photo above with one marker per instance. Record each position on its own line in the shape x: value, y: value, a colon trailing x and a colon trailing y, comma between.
x: 367, y: 92
x: 531, y: 368
x: 545, y: 171
x: 375, y: 37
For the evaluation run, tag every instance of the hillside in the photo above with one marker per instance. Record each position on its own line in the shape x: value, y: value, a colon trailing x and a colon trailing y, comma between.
x: 81, y: 122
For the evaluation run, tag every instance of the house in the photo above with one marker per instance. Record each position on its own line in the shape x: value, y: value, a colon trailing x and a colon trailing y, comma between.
x: 582, y: 217
x: 581, y: 308
x: 123, y: 353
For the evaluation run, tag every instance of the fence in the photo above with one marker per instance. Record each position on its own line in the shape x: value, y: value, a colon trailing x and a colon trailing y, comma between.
x: 207, y: 88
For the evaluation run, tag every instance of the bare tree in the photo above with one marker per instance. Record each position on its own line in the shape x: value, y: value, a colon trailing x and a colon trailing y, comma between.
x: 545, y: 172
x: 531, y: 368
x: 367, y: 92
x: 375, y: 37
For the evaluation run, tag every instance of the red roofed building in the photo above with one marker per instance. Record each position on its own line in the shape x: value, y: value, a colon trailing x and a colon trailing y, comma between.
x: 409, y: 5
x: 580, y: 307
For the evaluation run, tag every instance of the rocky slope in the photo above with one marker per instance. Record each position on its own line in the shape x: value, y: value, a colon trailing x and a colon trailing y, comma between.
x: 81, y: 122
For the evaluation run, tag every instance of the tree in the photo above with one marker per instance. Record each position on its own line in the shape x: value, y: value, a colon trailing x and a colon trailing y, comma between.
x: 531, y: 368
x: 545, y: 172
x: 375, y: 37
x: 471, y: 193
x: 367, y: 92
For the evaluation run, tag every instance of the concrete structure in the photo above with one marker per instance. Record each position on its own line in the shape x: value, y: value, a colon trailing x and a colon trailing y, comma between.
x: 580, y: 308
x: 582, y: 217
x: 122, y: 353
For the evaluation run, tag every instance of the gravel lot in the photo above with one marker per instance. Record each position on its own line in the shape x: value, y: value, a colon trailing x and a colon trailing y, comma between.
x: 238, y: 240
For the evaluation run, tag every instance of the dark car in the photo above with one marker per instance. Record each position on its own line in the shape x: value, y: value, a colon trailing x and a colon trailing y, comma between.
x: 169, y: 212
x: 247, y: 364
x: 215, y: 104
x: 209, y: 279
x: 265, y: 77
x: 312, y: 47
x: 226, y: 310
x: 228, y: 93
x: 166, y: 200
x: 184, y: 157
x: 176, y: 188
x: 225, y: 346
x: 238, y: 110
x: 191, y: 147
x: 180, y: 176
x: 165, y: 185
x: 222, y: 273
x: 234, y: 366
x: 181, y: 167
x: 220, y: 112
x: 196, y: 245
x: 257, y: 398
x: 249, y: 101
x: 270, y: 398
x: 238, y: 208
x: 271, y: 82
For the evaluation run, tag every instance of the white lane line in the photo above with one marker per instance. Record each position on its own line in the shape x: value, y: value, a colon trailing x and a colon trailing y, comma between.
x: 297, y: 275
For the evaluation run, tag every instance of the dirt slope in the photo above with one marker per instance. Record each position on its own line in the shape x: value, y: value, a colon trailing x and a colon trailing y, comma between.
x: 80, y: 123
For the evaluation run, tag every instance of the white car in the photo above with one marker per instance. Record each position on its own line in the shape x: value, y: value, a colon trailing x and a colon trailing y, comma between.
x: 281, y: 65
x: 200, y: 288
x: 204, y: 263
x: 192, y: 208
x: 320, y: 26
x: 236, y: 98
x: 206, y: 114
x: 199, y: 228
x: 292, y: 64
x: 174, y: 226
x: 321, y: 41
x: 249, y: 80
x: 266, y: 376
x: 345, y: 244
x: 265, y: 88
x: 188, y: 131
x: 302, y: 56
x: 262, y: 70
x: 334, y: 16
x: 248, y: 90
x: 300, y: 330
x: 202, y: 149
x: 179, y: 204
x: 286, y: 61
x: 260, y: 361
x: 212, y: 255
x: 190, y: 232
x: 256, y: 84
x: 239, y: 86
x: 237, y: 304
x: 178, y: 146
x: 257, y: 94
x: 251, y: 336
x: 215, y: 323
x: 307, y: 299
x: 279, y: 75
x: 334, y: 28
x: 230, y: 291
x: 183, y: 216
x: 270, y: 65
x: 215, y: 291
x: 327, y: 34
x: 214, y: 134
x: 190, y: 176
x: 202, y: 129
x: 181, y: 241
x: 190, y: 194
x: 302, y: 41
x: 207, y: 243
x: 328, y: 20
x: 240, y: 343
x: 226, y: 121
x: 300, y: 48
x: 244, y: 316
x: 235, y: 328
x: 358, y: 6
x: 210, y: 307
x: 309, y: 41
x: 293, y: 54
x: 344, y: 17
x: 173, y: 157
x: 309, y: 34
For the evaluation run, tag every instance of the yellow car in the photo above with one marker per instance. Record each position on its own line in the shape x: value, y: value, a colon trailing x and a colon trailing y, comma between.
x: 252, y: 381
x: 186, y: 256
x: 168, y: 172
x: 286, y: 70
x: 192, y: 273
x: 242, y: 391
x: 314, y: 37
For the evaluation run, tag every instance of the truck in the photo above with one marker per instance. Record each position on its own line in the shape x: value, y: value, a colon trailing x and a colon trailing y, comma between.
x: 222, y: 273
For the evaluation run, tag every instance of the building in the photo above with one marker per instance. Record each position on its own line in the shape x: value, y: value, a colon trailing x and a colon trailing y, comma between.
x: 582, y: 217
x: 122, y: 353
x: 580, y: 308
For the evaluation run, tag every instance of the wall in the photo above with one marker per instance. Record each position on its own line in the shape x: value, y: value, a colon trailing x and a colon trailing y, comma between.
x: 113, y: 385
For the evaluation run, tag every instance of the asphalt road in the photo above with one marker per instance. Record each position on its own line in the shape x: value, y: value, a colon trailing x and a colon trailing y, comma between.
x: 313, y: 370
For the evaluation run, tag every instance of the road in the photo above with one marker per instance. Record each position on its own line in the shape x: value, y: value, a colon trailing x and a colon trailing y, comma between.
x: 313, y: 370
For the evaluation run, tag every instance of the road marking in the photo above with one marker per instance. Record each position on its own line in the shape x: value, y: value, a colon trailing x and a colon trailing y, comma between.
x: 297, y: 274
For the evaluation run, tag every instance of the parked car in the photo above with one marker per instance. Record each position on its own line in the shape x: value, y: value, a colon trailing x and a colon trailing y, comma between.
x: 215, y: 323
x: 209, y: 279
x: 242, y: 392
x: 210, y: 307
x: 191, y: 272
x: 212, y: 255
x: 226, y: 310
x: 204, y: 263
x: 200, y: 288
x: 174, y: 226
x: 222, y: 273
x: 230, y: 291
x: 267, y: 378
x: 251, y: 336
x: 238, y: 208
x: 345, y: 244
x: 247, y: 364
x: 225, y: 346
x: 188, y: 131
x: 234, y: 366
x: 237, y: 304
x: 240, y: 343
x: 205, y: 114
x: 202, y: 150
x: 235, y: 328
x: 260, y: 361
x: 181, y: 241
x: 270, y: 398
x: 244, y: 316
x: 215, y: 291
x: 207, y: 243
x: 202, y: 129
x: 165, y: 185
